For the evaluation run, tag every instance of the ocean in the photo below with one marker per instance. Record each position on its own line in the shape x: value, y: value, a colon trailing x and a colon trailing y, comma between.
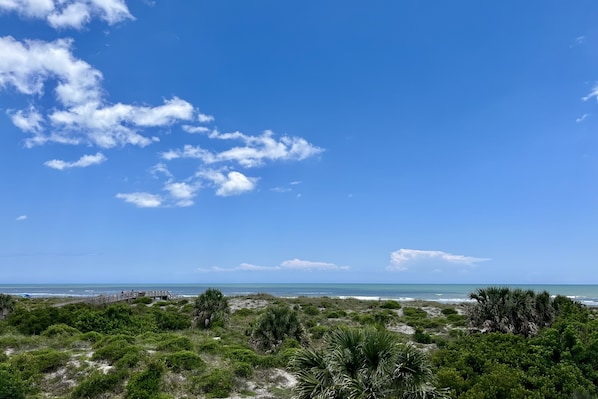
x: 446, y: 293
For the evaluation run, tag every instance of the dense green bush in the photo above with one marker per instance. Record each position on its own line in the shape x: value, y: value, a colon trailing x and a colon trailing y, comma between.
x: 216, y: 384
x: 277, y: 324
x: 11, y: 384
x: 174, y: 344
x: 115, y: 348
x: 146, y: 384
x: 60, y: 329
x: 32, y: 364
x: 184, y: 360
x: 211, y: 309
x: 390, y: 304
x: 310, y: 310
x: 98, y: 383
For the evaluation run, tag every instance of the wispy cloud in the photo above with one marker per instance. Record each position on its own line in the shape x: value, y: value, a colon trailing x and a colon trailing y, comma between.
x: 21, y: 218
x: 141, y: 200
x: 69, y: 14
x: 83, y: 162
x: 255, y: 152
x: 582, y: 118
x: 404, y: 259
x: 287, y: 265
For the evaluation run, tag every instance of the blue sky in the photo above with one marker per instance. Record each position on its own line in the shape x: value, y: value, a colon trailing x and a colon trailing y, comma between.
x: 292, y: 141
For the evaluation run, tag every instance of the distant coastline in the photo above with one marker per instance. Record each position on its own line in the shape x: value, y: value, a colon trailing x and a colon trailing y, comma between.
x: 444, y: 293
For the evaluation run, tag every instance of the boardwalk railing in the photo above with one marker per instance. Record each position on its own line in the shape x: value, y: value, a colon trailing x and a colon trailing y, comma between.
x: 125, y: 296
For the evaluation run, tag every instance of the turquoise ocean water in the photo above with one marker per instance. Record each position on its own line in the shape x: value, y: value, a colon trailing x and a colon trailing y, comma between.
x: 587, y: 294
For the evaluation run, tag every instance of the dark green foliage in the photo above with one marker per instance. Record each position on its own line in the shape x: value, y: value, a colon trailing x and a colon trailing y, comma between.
x: 365, y: 364
x: 7, y: 305
x: 11, y: 384
x: 420, y: 336
x: 318, y: 332
x: 513, y: 310
x: 144, y: 300
x: 173, y: 344
x: 33, y: 363
x: 184, y: 360
x: 390, y: 304
x: 498, y: 365
x: 243, y: 370
x: 60, y: 330
x: 311, y: 310
x: 34, y: 321
x: 449, y: 311
x: 457, y: 320
x: 114, y: 348
x: 277, y: 324
x: 97, y: 384
x: 244, y: 312
x: 146, y: 384
x: 216, y: 384
x: 335, y: 314
x: 211, y: 309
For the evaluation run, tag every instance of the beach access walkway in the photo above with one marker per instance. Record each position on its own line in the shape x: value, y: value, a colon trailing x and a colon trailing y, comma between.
x: 124, y: 296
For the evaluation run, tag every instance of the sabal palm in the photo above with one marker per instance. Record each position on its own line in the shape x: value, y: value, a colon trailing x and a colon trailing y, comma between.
x: 7, y: 305
x: 363, y: 364
x: 211, y: 307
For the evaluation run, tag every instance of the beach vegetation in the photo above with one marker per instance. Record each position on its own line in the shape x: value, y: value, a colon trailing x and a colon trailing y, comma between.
x: 363, y: 363
x: 274, y: 326
x: 211, y: 309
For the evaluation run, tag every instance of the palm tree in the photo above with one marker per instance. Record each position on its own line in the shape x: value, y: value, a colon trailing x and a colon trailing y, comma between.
x: 277, y: 324
x: 211, y: 308
x: 363, y: 364
x: 517, y: 311
x: 7, y: 305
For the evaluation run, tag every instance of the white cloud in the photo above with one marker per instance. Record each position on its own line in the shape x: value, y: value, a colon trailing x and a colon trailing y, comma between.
x: 82, y: 116
x: 203, y: 118
x: 195, y: 129
x: 69, y: 14
x: 298, y: 264
x: 160, y: 169
x: 21, y: 218
x: 231, y: 183
x: 582, y: 118
x: 403, y: 259
x: 293, y: 264
x: 83, y: 162
x: 28, y: 120
x: 255, y: 152
x: 141, y: 200
x: 182, y: 193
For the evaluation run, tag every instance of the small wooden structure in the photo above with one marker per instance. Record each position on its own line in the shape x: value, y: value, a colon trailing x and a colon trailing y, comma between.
x: 128, y: 296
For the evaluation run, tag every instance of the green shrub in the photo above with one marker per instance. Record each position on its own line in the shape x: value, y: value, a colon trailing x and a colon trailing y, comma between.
x: 457, y: 320
x: 33, y: 363
x: 449, y: 311
x: 97, y: 384
x: 420, y: 336
x: 11, y: 384
x: 243, y: 355
x: 60, y: 330
x: 91, y: 336
x: 277, y: 324
x: 244, y: 312
x: 243, y: 370
x: 415, y: 313
x: 184, y: 360
x: 211, y: 346
x: 170, y: 320
x: 335, y: 314
x: 390, y: 304
x: 144, y: 300
x: 217, y: 384
x: 311, y: 310
x: 211, y: 309
x: 130, y: 359
x: 318, y: 332
x: 146, y: 384
x: 175, y: 344
x: 116, y: 350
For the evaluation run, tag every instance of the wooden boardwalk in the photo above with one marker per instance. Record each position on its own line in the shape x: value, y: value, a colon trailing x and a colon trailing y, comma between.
x: 125, y: 296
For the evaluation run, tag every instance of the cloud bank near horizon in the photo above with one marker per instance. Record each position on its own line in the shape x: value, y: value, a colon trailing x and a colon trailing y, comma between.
x: 287, y: 265
x: 404, y: 259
